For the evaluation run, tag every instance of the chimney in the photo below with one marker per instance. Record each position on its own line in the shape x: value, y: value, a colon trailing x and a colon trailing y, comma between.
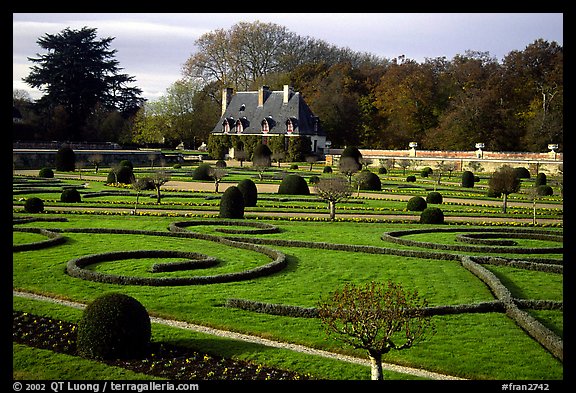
x: 262, y: 95
x: 288, y: 92
x: 226, y: 97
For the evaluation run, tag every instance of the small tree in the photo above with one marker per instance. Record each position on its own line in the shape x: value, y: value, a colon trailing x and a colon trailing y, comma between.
x: 333, y: 190
x: 217, y: 174
x: 139, y: 185
x: 404, y: 164
x: 349, y: 166
x: 158, y: 179
x: 260, y: 164
x: 311, y: 159
x: 377, y: 317
x: 505, y: 182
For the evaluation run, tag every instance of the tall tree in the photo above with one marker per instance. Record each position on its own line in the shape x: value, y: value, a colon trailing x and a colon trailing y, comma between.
x: 78, y: 72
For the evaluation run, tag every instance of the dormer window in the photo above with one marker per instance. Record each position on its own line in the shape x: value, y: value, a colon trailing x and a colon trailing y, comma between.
x: 239, y: 126
x: 242, y: 108
x: 226, y: 125
x: 265, y: 126
x: 289, y: 126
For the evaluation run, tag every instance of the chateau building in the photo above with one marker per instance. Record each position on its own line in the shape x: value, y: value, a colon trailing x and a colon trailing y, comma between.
x: 269, y: 114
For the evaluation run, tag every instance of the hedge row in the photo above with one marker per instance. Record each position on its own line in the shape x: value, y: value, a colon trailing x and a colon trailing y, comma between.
x: 261, y: 228
x: 539, y: 332
x: 395, y: 237
x: 53, y: 239
x: 199, y: 261
x: 75, y: 267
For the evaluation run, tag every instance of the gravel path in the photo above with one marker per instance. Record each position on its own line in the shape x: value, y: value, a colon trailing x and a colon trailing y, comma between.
x: 257, y: 340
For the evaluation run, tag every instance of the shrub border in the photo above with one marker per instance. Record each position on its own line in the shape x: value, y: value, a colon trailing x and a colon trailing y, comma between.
x: 53, y: 239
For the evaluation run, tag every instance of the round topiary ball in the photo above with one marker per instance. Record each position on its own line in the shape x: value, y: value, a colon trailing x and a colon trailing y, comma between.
x: 382, y: 170
x: 432, y: 215
x: 294, y: 185
x: 426, y: 171
x: 522, y: 173
x: 46, y: 173
x: 416, y: 203
x: 411, y: 178
x: 34, y: 205
x: 370, y: 181
x: 249, y: 191
x: 541, y: 179
x: 232, y: 203
x: 202, y: 172
x: 327, y: 169
x: 434, y: 197
x: 544, y: 190
x: 70, y: 195
x: 114, y: 326
x: 313, y: 179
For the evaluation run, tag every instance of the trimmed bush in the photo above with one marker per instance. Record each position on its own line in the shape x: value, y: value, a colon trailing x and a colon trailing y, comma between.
x: 544, y: 190
x: 127, y: 164
x: 368, y: 180
x: 221, y: 164
x: 411, y: 179
x: 434, y: 197
x: 541, y: 179
x: 426, y: 171
x: 34, y: 205
x: 522, y: 173
x: 249, y: 192
x: 432, y: 215
x: 46, y: 173
x: 65, y: 159
x: 327, y: 169
x: 493, y: 194
x: 382, y: 171
x: 353, y: 152
x: 294, y: 166
x: 114, y: 326
x: 125, y: 175
x: 294, y: 185
x: 232, y: 203
x: 416, y: 203
x: 202, y: 172
x: 70, y: 195
x: 467, y: 179
x: 313, y: 179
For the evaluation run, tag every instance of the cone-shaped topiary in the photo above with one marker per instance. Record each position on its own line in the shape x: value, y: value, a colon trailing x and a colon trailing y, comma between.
x: 65, y: 159
x: 541, y: 179
x: 249, y: 191
x: 467, y: 179
x: 432, y: 215
x: 416, y: 203
x: 232, y: 203
x: 70, y: 195
x: 114, y: 326
x: 294, y: 185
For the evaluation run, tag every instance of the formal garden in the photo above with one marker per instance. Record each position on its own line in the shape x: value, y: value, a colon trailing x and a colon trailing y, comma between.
x: 178, y: 242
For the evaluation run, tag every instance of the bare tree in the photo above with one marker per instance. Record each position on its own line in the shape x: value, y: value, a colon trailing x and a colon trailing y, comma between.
x: 217, y: 174
x: 366, y: 162
x: 158, y: 179
x: 278, y: 156
x: 504, y: 181
x: 241, y: 156
x: 96, y: 160
x: 260, y: 164
x: 333, y: 190
x: 349, y: 166
x: 311, y: 159
x: 377, y: 317
x: 404, y: 164
x: 139, y: 185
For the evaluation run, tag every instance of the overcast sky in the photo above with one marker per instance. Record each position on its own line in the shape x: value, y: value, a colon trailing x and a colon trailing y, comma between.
x: 153, y: 47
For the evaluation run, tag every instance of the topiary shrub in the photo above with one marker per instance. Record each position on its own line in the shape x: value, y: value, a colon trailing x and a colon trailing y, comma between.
x: 434, y: 197
x: 202, y: 172
x: 540, y: 179
x: 493, y: 194
x: 368, y: 180
x: 522, y: 173
x: 426, y: 171
x: 127, y: 164
x: 221, y: 164
x: 65, y: 159
x: 313, y: 179
x: 544, y: 190
x: 249, y: 191
x: 46, y: 173
x: 294, y: 166
x: 125, y: 175
x: 34, y: 205
x: 432, y: 215
x: 70, y: 195
x: 232, y: 203
x: 294, y: 185
x: 327, y: 169
x: 382, y: 170
x: 411, y: 179
x: 114, y: 326
x: 416, y: 203
x: 467, y: 179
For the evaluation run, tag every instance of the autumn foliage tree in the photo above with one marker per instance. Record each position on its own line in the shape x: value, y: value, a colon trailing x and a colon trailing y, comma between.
x: 377, y: 317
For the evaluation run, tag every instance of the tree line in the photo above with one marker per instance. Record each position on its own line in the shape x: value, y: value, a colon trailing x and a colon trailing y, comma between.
x: 515, y: 104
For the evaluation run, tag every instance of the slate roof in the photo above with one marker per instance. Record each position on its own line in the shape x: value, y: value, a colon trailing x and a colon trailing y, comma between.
x: 243, y: 106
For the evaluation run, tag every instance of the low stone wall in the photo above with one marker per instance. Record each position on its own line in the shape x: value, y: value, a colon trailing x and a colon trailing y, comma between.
x: 40, y: 158
x: 549, y: 163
